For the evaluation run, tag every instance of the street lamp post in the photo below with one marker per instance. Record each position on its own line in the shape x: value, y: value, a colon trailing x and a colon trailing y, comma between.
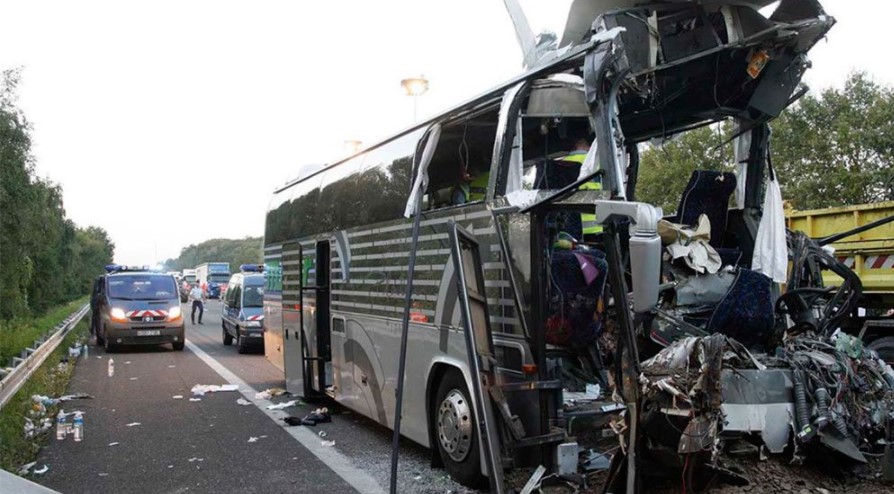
x: 415, y: 87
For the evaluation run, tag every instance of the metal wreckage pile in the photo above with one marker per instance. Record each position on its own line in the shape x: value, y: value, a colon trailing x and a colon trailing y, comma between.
x: 805, y: 390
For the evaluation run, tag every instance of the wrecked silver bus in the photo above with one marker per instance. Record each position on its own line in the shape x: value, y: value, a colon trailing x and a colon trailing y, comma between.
x: 482, y: 257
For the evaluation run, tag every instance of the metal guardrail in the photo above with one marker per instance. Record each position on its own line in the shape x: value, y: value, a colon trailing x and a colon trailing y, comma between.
x: 21, y: 368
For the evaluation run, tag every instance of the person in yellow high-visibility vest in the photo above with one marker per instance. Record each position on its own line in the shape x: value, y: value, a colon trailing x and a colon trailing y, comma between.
x: 470, y: 189
x: 590, y: 228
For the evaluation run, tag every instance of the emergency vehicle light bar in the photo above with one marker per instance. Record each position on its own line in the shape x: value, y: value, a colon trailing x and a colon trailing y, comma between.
x: 118, y: 268
x: 251, y: 268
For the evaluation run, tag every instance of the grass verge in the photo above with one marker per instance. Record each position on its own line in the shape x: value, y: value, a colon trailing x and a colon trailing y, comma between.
x: 51, y: 379
x: 18, y: 334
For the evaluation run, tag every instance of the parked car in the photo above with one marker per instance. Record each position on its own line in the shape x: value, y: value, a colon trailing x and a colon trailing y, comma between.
x: 243, y: 312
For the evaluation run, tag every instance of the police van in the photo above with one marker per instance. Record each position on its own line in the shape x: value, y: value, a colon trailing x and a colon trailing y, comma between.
x: 242, y: 315
x: 137, y: 306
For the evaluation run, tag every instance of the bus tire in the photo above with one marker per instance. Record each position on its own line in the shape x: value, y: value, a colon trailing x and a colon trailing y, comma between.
x: 885, y: 348
x: 455, y: 432
x: 227, y: 338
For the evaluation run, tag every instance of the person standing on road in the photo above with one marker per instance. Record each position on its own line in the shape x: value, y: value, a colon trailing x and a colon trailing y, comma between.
x: 197, y: 295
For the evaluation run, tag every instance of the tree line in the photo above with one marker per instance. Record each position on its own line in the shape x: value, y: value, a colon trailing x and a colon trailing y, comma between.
x: 45, y: 259
x: 247, y: 250
x: 834, y: 148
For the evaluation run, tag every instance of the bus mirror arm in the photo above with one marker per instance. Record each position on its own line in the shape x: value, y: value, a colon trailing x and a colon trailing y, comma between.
x: 645, y: 247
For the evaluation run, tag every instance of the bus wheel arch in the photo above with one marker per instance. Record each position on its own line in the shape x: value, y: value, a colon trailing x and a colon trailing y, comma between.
x: 450, y: 406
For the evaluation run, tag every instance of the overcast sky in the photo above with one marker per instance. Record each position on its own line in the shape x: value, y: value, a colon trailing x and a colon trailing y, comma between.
x: 169, y: 123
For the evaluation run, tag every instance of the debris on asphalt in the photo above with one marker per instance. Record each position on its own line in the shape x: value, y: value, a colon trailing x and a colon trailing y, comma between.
x: 322, y: 434
x: 287, y: 404
x: 133, y: 378
x: 127, y: 363
x: 252, y: 439
x: 133, y: 424
x: 292, y: 420
x: 243, y: 402
x: 111, y: 367
x: 171, y: 366
x: 42, y: 470
x: 24, y: 469
x: 195, y: 399
x: 177, y: 397
x: 201, y: 389
x: 327, y: 443
x: 269, y: 393
x: 195, y: 459
x: 114, y: 444
x: 103, y: 474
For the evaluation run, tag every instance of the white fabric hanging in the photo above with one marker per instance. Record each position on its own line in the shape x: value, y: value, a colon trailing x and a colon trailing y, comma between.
x: 421, y: 182
x: 770, y: 248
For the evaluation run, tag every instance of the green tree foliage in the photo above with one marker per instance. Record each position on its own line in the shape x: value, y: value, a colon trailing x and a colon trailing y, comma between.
x: 837, y: 148
x: 665, y: 169
x: 833, y: 149
x: 234, y: 251
x: 45, y: 260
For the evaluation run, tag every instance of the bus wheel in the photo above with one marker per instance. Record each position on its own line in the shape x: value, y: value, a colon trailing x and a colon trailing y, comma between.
x: 885, y: 348
x: 455, y: 430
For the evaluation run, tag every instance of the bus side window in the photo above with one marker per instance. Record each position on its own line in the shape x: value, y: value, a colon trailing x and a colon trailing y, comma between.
x: 384, y: 185
x: 460, y: 167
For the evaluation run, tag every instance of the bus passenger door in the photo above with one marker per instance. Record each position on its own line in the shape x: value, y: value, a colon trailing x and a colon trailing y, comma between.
x: 292, y: 307
x: 320, y: 352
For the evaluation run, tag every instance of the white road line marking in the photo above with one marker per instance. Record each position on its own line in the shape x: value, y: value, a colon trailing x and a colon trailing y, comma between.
x: 339, y: 463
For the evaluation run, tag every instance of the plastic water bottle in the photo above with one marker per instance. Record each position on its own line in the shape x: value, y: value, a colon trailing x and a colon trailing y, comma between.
x: 86, y: 352
x: 78, y: 426
x: 111, y: 367
x: 61, y: 426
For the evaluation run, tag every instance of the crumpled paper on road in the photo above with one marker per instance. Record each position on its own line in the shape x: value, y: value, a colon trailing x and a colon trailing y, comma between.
x: 201, y: 389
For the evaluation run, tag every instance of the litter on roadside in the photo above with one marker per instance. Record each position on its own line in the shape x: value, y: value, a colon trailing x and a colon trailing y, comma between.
x: 195, y: 459
x: 133, y: 424
x: 195, y: 399
x: 24, y: 469
x: 318, y: 416
x: 280, y: 406
x: 201, y: 389
x: 114, y: 444
x: 42, y: 470
x: 322, y: 434
x: 269, y: 393
x: 252, y: 439
x: 243, y: 402
x: 327, y: 443
x: 177, y: 397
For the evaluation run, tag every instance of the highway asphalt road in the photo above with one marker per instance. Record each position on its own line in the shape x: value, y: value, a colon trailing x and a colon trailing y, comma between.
x: 207, y: 446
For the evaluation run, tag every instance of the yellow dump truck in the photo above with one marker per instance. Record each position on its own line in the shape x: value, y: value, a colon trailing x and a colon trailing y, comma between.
x: 869, y: 253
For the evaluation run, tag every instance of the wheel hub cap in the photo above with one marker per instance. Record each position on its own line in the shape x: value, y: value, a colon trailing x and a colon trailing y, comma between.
x: 455, y: 425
